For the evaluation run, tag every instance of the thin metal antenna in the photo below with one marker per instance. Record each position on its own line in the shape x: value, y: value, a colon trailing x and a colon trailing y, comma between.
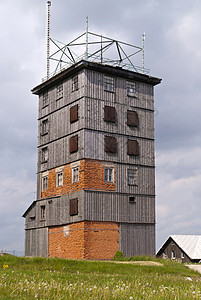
x: 86, y: 53
x: 143, y: 40
x: 101, y: 49
x: 48, y: 38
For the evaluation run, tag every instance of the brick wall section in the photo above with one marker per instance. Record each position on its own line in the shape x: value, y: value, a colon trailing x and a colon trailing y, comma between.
x: 71, y: 246
x: 91, y: 177
x: 87, y: 240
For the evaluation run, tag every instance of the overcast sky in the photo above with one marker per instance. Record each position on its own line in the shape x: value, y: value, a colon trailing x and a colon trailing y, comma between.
x: 172, y: 52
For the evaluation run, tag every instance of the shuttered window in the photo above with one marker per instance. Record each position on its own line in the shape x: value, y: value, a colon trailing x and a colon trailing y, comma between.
x: 132, y: 118
x: 109, y: 114
x: 73, y: 210
x: 110, y: 144
x: 45, y: 127
x: 45, y: 99
x: 74, y: 113
x: 74, y: 144
x: 132, y: 147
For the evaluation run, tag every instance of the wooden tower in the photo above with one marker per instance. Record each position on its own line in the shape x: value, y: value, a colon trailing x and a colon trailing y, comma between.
x: 96, y: 166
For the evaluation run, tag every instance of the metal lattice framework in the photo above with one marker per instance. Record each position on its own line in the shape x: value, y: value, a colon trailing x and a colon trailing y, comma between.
x: 94, y: 47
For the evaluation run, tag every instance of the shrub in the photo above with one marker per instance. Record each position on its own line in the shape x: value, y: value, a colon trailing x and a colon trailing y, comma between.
x: 119, y: 255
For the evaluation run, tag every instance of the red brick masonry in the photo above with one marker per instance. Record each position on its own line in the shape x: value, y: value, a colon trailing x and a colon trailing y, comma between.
x: 84, y: 240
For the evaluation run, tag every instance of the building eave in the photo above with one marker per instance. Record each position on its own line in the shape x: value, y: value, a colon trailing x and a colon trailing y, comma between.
x: 106, y: 69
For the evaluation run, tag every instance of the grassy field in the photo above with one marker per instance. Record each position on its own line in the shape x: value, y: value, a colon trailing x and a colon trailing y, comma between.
x: 41, y: 278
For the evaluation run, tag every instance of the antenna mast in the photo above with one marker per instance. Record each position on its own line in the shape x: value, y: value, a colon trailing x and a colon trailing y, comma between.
x: 48, y: 38
x: 143, y: 40
x: 86, y: 53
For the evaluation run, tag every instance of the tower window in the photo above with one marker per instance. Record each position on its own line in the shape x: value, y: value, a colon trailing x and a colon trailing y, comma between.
x: 109, y: 84
x: 110, y: 144
x: 75, y: 174
x: 132, y: 176
x: 109, y: 174
x: 75, y: 83
x: 132, y: 147
x: 132, y: 118
x: 44, y: 127
x: 45, y: 154
x: 60, y: 179
x: 74, y: 113
x: 45, y: 99
x: 74, y: 144
x: 132, y: 199
x: 44, y: 183
x: 42, y: 212
x: 131, y: 89
x: 73, y: 207
x: 59, y: 91
x: 109, y: 114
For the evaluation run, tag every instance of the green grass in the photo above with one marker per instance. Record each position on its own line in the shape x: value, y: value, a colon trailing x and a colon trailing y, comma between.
x: 43, y: 278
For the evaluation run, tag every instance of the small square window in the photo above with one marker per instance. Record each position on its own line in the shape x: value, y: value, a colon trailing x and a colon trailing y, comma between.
x: 42, y: 212
x: 132, y: 176
x: 132, y: 199
x: 132, y: 118
x: 132, y: 147
x: 75, y: 83
x: 109, y: 114
x: 73, y: 207
x: 109, y: 174
x: 109, y: 84
x: 59, y: 91
x: 131, y: 89
x: 45, y: 99
x: 45, y: 154
x: 73, y: 144
x: 75, y: 174
x: 44, y: 183
x: 60, y: 179
x: 110, y: 144
x: 45, y: 127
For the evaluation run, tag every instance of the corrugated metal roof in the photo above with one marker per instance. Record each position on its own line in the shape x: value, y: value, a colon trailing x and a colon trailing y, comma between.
x: 190, y: 244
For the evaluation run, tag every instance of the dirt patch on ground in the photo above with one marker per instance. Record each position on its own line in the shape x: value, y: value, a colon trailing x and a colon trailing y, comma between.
x: 194, y: 267
x: 141, y: 263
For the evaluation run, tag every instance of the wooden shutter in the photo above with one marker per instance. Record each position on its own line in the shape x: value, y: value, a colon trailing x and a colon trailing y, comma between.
x: 110, y: 144
x: 133, y: 147
x: 109, y: 114
x: 132, y: 118
x: 73, y: 210
x: 74, y: 144
x: 74, y: 113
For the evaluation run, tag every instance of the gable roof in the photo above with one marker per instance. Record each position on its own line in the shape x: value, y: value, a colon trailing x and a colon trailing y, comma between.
x: 190, y: 244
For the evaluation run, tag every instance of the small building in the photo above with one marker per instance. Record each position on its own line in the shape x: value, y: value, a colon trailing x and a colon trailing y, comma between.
x: 184, y: 248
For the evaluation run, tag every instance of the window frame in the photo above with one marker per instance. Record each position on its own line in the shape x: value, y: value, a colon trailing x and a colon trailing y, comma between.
x: 45, y: 99
x: 173, y: 254
x: 42, y: 212
x: 59, y: 91
x: 59, y: 179
x: 108, y: 173
x: 131, y: 89
x: 75, y: 83
x: 45, y: 155
x: 132, y: 199
x: 75, y: 174
x: 45, y: 127
x: 44, y: 183
x: 109, y: 84
x: 132, y: 180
